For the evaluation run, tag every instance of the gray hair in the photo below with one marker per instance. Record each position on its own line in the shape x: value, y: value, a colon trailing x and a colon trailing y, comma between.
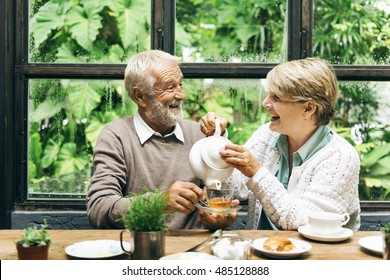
x: 140, y: 66
x: 308, y: 79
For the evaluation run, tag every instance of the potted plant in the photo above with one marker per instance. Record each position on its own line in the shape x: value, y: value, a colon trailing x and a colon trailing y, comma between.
x: 34, y: 243
x: 146, y: 220
x: 386, y: 241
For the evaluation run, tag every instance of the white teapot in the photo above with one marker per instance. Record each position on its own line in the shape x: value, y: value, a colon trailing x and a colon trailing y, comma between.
x: 206, y: 162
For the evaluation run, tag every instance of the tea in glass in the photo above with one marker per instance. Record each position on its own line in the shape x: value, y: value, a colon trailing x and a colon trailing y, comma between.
x: 219, y: 198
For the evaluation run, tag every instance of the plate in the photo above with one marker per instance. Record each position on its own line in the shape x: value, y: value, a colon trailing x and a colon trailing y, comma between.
x: 190, y: 256
x: 300, y: 248
x: 227, y: 210
x: 372, y: 243
x: 307, y: 232
x: 96, y: 249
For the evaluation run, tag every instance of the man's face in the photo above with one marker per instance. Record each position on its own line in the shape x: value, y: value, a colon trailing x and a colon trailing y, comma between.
x: 165, y: 107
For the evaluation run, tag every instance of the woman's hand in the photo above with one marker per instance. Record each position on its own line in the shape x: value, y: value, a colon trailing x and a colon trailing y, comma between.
x: 240, y: 158
x: 207, y: 125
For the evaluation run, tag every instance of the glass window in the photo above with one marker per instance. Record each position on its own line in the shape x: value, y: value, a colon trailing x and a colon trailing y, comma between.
x: 363, y: 119
x: 230, y: 30
x: 63, y: 77
x: 65, y: 119
x: 352, y: 32
x: 88, y: 31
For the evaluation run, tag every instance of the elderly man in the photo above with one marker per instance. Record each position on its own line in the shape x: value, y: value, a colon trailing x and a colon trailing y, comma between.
x: 149, y: 149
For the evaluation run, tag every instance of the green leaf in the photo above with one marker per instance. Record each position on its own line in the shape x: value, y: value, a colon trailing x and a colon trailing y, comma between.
x: 133, y: 22
x: 381, y: 167
x: 45, y: 110
x: 85, y: 24
x: 69, y: 161
x: 35, y: 148
x: 65, y: 55
x: 115, y: 53
x: 49, y: 17
x: 97, y: 122
x: 376, y: 154
x: 51, y: 153
x: 383, y: 181
x: 83, y: 99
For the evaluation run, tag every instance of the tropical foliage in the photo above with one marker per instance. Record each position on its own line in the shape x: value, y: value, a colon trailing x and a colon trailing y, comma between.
x: 66, y: 116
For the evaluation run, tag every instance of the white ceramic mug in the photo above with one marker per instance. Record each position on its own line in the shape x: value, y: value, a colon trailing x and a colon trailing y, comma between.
x: 327, y: 223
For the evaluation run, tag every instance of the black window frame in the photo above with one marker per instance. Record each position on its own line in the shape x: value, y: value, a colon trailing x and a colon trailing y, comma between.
x: 16, y: 71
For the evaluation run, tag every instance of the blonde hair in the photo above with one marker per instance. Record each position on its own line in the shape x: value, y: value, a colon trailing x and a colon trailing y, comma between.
x: 308, y: 79
x: 139, y: 69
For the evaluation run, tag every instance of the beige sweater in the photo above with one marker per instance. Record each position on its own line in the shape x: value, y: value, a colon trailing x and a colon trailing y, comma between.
x: 122, y: 166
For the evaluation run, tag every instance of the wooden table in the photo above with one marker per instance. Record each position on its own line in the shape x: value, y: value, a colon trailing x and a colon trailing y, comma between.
x: 179, y: 241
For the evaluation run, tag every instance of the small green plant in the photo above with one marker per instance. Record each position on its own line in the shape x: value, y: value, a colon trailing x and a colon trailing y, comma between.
x: 147, y: 212
x: 32, y: 236
x: 386, y: 229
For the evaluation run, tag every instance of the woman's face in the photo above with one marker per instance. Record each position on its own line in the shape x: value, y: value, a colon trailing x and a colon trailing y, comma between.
x: 165, y: 104
x: 286, y: 117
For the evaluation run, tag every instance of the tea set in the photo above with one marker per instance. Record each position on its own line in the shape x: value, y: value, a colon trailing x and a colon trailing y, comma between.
x: 208, y: 165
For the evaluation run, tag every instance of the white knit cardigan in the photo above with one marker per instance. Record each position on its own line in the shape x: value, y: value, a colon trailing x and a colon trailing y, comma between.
x: 328, y: 181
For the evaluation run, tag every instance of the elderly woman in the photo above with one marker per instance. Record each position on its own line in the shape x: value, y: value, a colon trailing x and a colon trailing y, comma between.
x: 295, y: 163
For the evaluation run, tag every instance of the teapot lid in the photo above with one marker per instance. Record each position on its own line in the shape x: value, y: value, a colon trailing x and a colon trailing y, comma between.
x: 210, y: 152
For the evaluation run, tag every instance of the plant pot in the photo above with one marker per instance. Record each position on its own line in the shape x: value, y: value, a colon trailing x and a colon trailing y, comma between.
x: 386, y: 246
x: 32, y: 252
x: 145, y: 245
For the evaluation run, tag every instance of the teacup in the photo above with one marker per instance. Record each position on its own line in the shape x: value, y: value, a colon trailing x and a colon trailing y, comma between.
x: 327, y: 223
x: 219, y: 197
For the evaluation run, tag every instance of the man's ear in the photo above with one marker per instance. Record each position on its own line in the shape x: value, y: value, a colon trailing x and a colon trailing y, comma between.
x: 138, y: 96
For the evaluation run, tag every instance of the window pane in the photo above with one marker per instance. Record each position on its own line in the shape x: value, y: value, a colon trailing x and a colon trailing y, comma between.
x: 237, y: 100
x: 352, y: 32
x: 65, y: 118
x: 88, y: 31
x: 230, y: 30
x: 363, y: 118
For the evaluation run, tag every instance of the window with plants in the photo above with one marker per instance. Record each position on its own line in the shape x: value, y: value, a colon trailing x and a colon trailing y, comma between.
x: 74, y: 45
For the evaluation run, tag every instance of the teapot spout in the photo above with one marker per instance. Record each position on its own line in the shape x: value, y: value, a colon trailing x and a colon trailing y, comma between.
x: 213, y: 184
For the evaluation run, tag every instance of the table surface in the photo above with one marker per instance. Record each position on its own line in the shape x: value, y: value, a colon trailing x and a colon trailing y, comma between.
x: 181, y: 240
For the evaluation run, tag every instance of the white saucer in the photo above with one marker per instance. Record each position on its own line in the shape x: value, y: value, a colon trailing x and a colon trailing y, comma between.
x: 372, y: 243
x: 300, y: 247
x: 307, y: 232
x: 96, y: 249
x: 227, y: 210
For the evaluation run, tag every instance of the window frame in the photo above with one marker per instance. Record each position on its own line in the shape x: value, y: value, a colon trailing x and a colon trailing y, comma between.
x: 16, y: 71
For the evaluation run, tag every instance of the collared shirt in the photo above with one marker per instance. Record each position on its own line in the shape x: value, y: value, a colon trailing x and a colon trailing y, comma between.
x: 318, y: 140
x: 144, y: 131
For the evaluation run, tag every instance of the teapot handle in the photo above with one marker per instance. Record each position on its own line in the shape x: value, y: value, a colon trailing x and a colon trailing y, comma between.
x: 217, y: 127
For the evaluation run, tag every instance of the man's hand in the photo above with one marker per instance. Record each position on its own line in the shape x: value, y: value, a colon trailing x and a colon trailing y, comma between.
x: 183, y: 196
x: 217, y: 221
x: 207, y: 124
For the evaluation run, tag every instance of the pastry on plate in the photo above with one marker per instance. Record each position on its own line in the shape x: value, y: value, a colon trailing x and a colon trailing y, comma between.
x: 278, y: 244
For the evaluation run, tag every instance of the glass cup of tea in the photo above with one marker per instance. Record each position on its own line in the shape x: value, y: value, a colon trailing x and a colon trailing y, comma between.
x: 219, y: 198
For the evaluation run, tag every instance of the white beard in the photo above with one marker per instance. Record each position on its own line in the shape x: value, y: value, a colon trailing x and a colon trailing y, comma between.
x: 159, y: 114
